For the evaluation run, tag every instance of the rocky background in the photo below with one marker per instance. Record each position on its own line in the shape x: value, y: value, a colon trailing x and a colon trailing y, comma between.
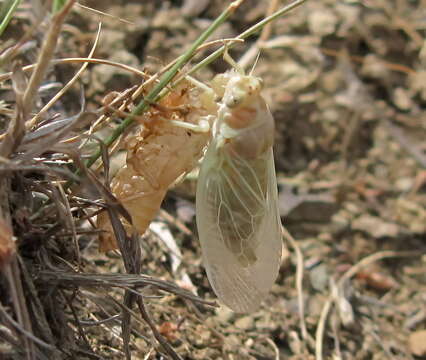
x: 346, y: 82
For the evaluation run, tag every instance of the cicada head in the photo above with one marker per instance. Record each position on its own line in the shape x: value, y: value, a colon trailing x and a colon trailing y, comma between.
x: 242, y: 90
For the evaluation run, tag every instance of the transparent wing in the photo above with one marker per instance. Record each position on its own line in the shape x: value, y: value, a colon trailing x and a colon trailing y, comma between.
x: 239, y: 227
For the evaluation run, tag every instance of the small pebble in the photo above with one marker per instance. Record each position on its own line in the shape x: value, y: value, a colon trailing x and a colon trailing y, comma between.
x: 244, y: 323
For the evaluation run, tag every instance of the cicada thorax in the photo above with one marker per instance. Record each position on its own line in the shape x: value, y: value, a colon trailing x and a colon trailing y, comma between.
x: 245, y: 120
x: 246, y: 130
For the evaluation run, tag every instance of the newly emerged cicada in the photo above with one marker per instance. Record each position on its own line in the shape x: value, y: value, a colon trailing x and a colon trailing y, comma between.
x: 237, y: 210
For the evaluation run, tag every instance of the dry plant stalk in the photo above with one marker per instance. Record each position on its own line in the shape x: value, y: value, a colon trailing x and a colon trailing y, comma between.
x: 7, y: 245
x: 159, y: 153
x: 46, y: 55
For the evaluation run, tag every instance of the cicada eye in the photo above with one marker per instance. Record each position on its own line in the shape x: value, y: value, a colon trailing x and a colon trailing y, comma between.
x: 233, y: 101
x: 236, y: 96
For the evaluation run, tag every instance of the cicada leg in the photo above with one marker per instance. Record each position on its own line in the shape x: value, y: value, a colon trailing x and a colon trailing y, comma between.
x: 202, y: 127
x: 231, y: 61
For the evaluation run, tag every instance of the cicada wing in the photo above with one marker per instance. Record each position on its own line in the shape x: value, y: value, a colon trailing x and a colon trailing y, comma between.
x: 239, y: 285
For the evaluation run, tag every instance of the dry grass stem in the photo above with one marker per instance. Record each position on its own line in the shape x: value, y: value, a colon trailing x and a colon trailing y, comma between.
x: 35, y: 120
x: 46, y: 54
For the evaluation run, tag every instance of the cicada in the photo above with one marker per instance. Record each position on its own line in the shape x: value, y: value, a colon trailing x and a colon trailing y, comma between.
x: 237, y: 202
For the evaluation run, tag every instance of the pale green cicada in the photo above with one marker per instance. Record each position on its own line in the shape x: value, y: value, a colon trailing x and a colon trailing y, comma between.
x: 237, y: 203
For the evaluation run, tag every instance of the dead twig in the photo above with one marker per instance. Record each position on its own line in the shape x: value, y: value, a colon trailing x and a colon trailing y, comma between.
x: 299, y: 283
x: 163, y: 342
x: 23, y: 326
x: 91, y: 60
x: 16, y: 129
x: 68, y: 279
x: 26, y: 333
